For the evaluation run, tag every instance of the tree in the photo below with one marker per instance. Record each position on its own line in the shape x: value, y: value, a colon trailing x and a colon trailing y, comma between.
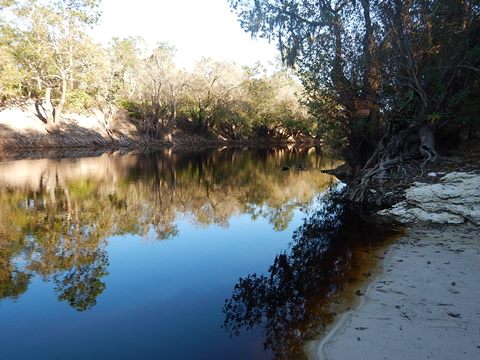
x: 123, y: 70
x: 281, y: 116
x: 382, y: 71
x: 320, y: 39
x: 50, y: 43
x: 160, y: 87
x: 210, y: 91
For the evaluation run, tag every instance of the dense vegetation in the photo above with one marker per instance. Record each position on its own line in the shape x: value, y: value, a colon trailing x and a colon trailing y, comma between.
x: 387, y: 81
x: 47, y: 54
x: 384, y: 81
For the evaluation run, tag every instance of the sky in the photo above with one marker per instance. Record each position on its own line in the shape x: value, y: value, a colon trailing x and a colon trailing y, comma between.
x: 197, y: 28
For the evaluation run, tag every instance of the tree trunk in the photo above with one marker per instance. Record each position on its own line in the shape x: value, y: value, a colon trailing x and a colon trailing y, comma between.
x: 371, y: 73
x: 338, y: 76
x: 49, y: 110
x: 63, y: 98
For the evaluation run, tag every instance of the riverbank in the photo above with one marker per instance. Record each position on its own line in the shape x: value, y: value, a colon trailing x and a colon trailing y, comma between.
x: 423, y: 306
x: 387, y: 189
x: 21, y: 129
x: 423, y: 303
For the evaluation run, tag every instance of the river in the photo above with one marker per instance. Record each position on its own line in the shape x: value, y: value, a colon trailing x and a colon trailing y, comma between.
x: 213, y: 254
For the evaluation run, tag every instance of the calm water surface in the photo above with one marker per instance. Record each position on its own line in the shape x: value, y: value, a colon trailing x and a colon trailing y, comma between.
x: 203, y: 255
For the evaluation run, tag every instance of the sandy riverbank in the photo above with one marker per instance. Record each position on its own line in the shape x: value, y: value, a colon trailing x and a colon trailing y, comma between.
x: 424, y: 305
x: 22, y: 130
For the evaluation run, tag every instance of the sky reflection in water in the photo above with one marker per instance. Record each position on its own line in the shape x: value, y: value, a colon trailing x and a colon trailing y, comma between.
x: 133, y: 256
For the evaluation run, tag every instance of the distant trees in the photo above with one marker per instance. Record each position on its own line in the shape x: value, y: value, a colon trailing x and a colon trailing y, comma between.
x: 157, y: 95
x: 277, y: 112
x: 215, y: 99
x: 370, y: 70
x: 212, y: 90
x: 48, y: 55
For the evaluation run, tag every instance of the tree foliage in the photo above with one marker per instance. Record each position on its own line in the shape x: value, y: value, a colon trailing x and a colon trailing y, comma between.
x: 48, y: 55
x: 51, y: 49
x: 372, y: 68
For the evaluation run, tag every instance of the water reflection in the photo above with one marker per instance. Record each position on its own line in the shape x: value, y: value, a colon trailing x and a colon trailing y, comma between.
x: 56, y: 215
x: 309, y: 283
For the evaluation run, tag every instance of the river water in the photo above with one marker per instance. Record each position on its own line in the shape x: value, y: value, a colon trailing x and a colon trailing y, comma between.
x: 215, y: 254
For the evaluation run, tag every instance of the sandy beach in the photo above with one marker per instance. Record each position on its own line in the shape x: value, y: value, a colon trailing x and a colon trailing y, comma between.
x: 425, y: 304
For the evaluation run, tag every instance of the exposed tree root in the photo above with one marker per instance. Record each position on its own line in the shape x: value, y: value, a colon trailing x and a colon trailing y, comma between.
x: 358, y: 192
x: 395, y: 151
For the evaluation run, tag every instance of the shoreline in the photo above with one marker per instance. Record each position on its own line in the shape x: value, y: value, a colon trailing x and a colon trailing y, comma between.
x: 7, y: 145
x: 315, y: 348
x: 421, y: 306
x: 88, y: 151
x: 21, y: 129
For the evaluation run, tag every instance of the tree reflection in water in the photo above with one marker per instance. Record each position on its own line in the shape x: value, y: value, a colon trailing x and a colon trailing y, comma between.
x: 56, y: 215
x: 305, y: 286
x: 81, y: 285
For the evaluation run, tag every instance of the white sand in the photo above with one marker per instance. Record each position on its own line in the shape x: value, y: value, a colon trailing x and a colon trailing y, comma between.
x: 21, y: 128
x: 24, y: 121
x: 20, y: 121
x: 426, y: 305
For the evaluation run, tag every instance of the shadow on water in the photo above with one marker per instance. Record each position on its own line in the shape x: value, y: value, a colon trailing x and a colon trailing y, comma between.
x: 330, y: 257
